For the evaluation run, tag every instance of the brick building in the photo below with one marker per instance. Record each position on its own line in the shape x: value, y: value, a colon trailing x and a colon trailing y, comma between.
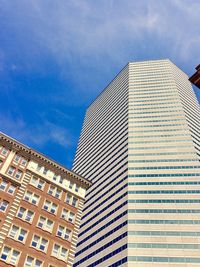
x: 40, y: 208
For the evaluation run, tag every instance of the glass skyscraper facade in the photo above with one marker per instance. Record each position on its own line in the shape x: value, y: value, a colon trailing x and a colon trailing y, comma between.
x: 140, y: 147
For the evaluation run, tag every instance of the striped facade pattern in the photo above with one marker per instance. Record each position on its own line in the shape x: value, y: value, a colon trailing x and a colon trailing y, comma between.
x: 140, y: 146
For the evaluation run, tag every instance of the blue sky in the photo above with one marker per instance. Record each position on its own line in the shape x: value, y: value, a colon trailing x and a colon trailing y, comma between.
x: 56, y: 56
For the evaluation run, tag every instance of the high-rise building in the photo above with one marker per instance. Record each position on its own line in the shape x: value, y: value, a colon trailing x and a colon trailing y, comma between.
x: 40, y: 208
x: 140, y: 147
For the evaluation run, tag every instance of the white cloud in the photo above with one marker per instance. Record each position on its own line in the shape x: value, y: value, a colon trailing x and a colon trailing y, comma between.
x: 91, y: 33
x: 38, y: 134
x: 92, y: 37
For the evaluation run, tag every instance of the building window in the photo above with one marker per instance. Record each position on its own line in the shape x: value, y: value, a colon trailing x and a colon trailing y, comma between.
x: 68, y: 199
x: 39, y: 167
x: 3, y: 185
x: 39, y: 243
x: 59, y: 252
x: 4, y: 151
x: 11, y: 171
x: 45, y: 171
x: 24, y: 214
x: 33, y: 262
x: 17, y: 158
x: 34, y: 181
x: 71, y: 200
x: 1, y: 162
x: 41, y: 184
x: 3, y: 205
x: 58, y: 193
x: 20, y: 160
x: 58, y: 178
x: 18, y: 174
x: 61, y: 180
x: 76, y: 188
x: 64, y: 214
x: 74, y: 202
x: 55, y: 177
x: 10, y: 255
x: 31, y: 197
x: 71, y: 185
x: 45, y: 224
x: 50, y: 206
x: 63, y: 232
x: 54, y: 191
x: 24, y: 162
x: 51, y: 190
x: 13, y: 231
x: 68, y: 216
x: 37, y: 182
x: 71, y: 217
x: 11, y: 189
x: 18, y: 233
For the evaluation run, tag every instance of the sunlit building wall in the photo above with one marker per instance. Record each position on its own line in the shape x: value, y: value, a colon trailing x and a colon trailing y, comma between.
x: 140, y: 147
x: 40, y: 208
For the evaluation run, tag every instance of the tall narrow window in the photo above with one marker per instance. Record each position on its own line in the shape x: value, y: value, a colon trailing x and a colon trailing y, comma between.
x: 6, y: 251
x: 3, y: 205
x: 71, y: 185
x: 68, y: 199
x: 23, y: 162
x: 14, y: 257
x: 39, y: 167
x: 76, y: 188
x: 22, y: 235
x: 13, y: 232
x: 11, y: 171
x: 4, y: 151
x: 45, y: 171
x: 3, y: 185
x: 71, y: 217
x: 18, y: 174
x: 74, y: 202
x: 64, y: 214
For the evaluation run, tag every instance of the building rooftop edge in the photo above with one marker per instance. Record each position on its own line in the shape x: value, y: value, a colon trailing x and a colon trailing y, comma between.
x: 129, y: 62
x: 45, y: 158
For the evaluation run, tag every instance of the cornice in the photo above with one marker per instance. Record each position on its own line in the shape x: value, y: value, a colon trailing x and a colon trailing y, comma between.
x: 32, y: 154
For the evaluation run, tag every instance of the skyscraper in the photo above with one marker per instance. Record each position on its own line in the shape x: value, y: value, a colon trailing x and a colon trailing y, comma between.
x: 140, y: 147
